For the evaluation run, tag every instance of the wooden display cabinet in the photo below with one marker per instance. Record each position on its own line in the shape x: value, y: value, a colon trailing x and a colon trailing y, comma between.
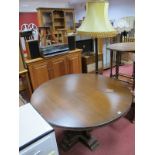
x: 42, y: 70
x: 60, y: 20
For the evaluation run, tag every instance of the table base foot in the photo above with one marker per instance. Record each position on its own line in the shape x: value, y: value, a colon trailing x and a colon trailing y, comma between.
x: 72, y: 137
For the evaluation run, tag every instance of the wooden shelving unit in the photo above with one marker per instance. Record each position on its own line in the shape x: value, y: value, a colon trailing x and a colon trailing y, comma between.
x: 58, y: 17
x: 60, y: 20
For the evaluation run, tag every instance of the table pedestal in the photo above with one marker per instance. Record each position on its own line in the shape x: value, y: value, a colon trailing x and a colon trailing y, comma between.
x: 72, y: 137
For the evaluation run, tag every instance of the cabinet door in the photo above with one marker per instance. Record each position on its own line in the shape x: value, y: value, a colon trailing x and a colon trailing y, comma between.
x: 58, y: 67
x: 69, y: 20
x: 44, y: 17
x: 74, y: 63
x: 38, y: 73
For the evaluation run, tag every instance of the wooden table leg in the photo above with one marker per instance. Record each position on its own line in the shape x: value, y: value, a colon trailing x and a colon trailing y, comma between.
x: 111, y: 62
x: 133, y: 75
x: 29, y: 85
x: 120, y: 57
x: 72, y: 137
x: 117, y: 63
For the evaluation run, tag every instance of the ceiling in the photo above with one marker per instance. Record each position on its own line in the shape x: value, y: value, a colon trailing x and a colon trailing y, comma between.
x: 56, y: 1
x: 31, y: 5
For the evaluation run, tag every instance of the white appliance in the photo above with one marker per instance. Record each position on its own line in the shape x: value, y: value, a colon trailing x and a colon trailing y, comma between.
x: 36, y: 136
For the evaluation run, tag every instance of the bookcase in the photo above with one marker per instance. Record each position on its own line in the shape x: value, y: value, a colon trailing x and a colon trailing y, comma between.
x: 60, y: 20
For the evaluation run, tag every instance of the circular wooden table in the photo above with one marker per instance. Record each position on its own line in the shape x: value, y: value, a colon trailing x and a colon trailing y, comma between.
x: 81, y: 102
x: 119, y: 48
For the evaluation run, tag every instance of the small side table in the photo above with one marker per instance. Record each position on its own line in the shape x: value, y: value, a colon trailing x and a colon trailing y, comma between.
x: 121, y: 48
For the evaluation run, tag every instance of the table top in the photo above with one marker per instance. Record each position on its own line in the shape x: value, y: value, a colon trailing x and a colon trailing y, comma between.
x: 81, y: 101
x: 122, y: 47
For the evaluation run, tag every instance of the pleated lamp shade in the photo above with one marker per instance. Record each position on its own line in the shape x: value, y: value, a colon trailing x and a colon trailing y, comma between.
x: 96, y: 23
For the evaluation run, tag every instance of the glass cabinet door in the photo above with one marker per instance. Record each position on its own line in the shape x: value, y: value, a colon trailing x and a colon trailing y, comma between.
x: 47, y: 19
x: 70, y: 21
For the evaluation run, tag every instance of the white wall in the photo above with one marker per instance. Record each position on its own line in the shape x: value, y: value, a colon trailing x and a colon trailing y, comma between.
x: 121, y: 8
x: 117, y: 9
x: 31, y: 5
x: 79, y: 11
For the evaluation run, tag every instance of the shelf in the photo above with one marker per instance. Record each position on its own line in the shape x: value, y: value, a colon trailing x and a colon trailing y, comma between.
x: 58, y: 17
x: 23, y: 71
x: 59, y: 26
x: 62, y: 25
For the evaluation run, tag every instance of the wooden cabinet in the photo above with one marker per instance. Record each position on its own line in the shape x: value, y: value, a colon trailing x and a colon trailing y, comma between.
x: 58, y: 67
x: 38, y: 73
x: 74, y: 63
x: 60, y: 20
x: 42, y: 70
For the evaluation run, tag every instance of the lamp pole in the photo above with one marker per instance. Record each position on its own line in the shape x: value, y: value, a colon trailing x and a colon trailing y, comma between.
x: 96, y: 56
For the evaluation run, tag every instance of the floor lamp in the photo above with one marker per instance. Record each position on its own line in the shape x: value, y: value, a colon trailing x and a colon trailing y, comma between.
x: 96, y: 24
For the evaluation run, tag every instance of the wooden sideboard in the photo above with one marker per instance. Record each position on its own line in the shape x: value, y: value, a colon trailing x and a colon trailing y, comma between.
x: 44, y: 69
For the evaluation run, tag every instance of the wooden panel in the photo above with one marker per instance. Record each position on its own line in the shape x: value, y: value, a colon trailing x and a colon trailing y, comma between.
x: 21, y: 64
x: 69, y: 20
x: 58, y: 67
x: 88, y: 62
x: 74, y: 63
x: 38, y: 73
x: 41, y: 14
x: 126, y: 57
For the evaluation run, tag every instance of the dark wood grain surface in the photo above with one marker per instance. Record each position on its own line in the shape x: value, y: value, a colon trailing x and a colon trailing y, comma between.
x: 123, y: 47
x: 81, y: 101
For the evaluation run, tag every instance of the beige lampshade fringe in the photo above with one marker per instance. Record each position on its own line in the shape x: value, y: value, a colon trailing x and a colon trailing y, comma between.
x: 98, y: 34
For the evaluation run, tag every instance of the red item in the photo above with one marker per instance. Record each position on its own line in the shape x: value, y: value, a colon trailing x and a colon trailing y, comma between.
x: 27, y: 18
